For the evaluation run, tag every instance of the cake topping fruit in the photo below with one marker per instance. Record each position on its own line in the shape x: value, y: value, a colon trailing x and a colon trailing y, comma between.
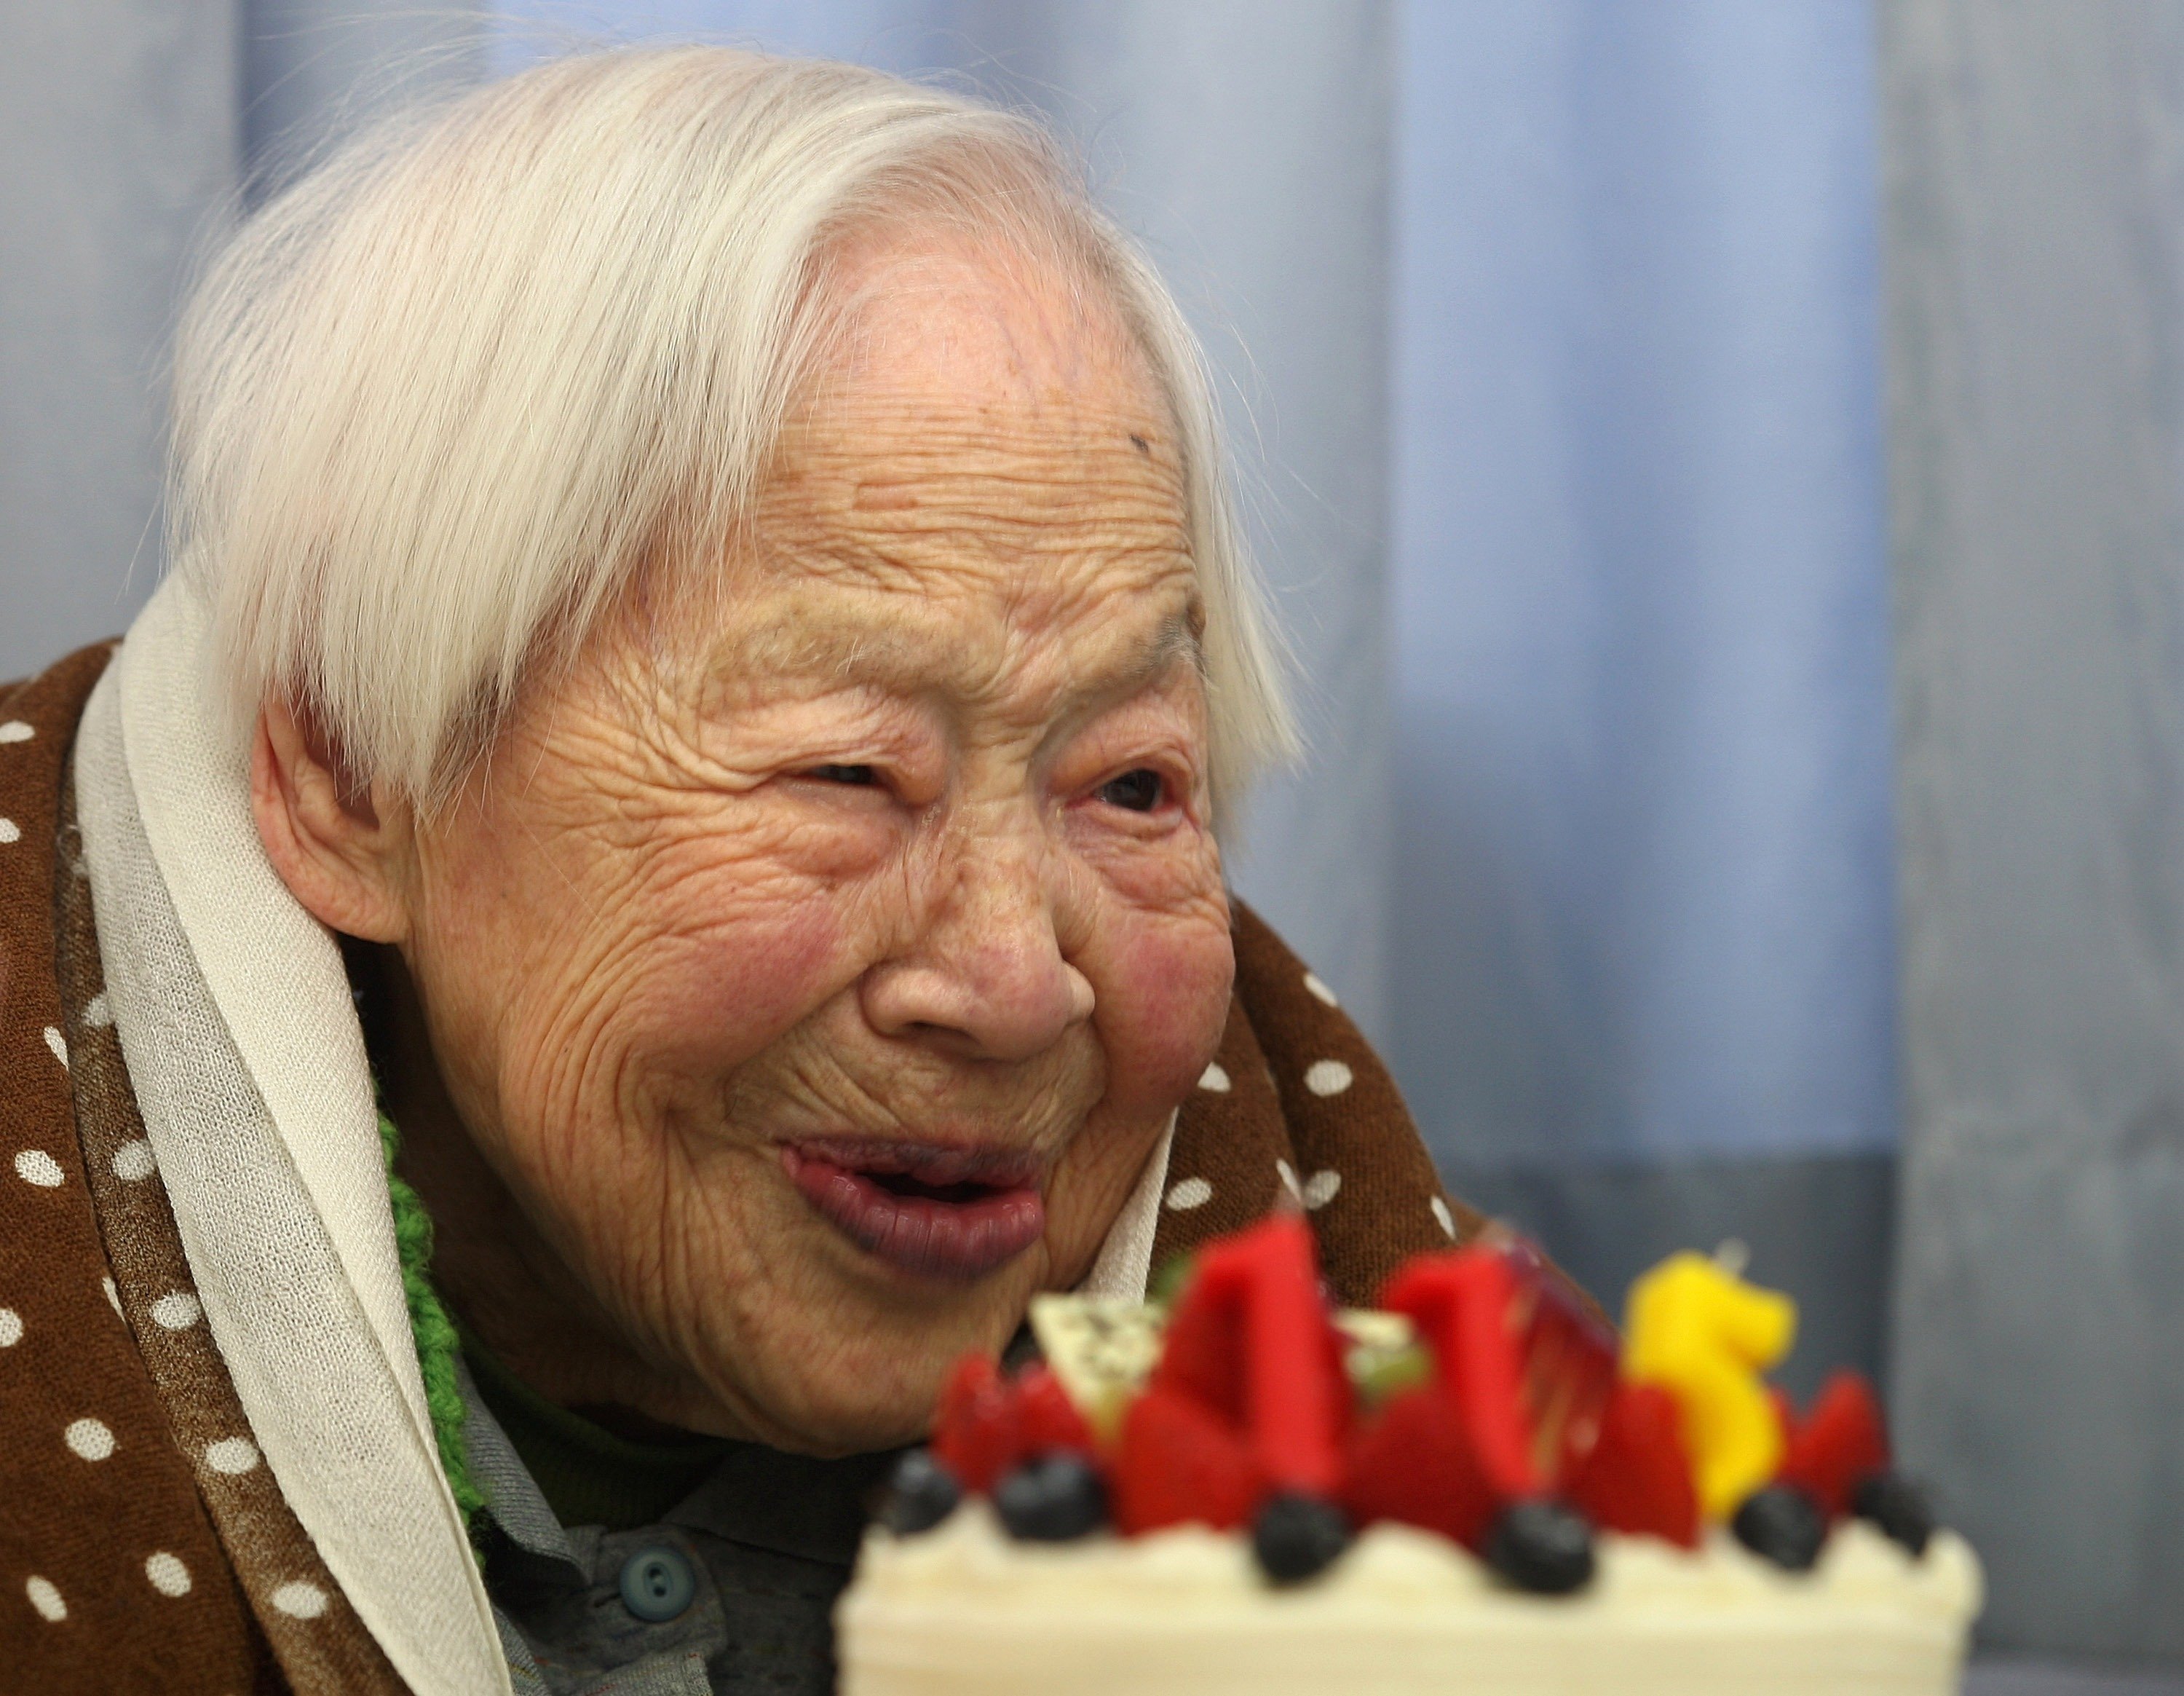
x: 1485, y: 1402
x: 1541, y: 1544
x: 1898, y: 1506
x: 1101, y: 1350
x: 1415, y: 1465
x: 1178, y: 1462
x: 988, y: 1422
x: 1057, y: 1497
x: 1782, y: 1524
x: 1297, y: 1536
x: 1839, y: 1444
x: 1637, y: 1480
x: 920, y: 1494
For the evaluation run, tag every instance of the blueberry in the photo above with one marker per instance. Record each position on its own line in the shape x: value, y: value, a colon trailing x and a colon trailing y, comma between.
x: 921, y: 1494
x: 1542, y: 1545
x: 1297, y: 1536
x: 1898, y: 1506
x: 1055, y: 1498
x: 1782, y: 1524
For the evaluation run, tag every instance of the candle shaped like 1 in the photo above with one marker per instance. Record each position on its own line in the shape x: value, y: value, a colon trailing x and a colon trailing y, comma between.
x: 1465, y: 1305
x: 1250, y: 1339
x: 1705, y: 1336
x: 1525, y: 1370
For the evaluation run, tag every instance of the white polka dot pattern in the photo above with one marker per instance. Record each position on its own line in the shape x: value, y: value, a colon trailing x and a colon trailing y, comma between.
x: 1320, y: 1189
x: 10, y: 831
x: 133, y: 1162
x: 90, y: 1438
x: 232, y: 1455
x: 1319, y: 989
x: 1289, y: 1177
x: 168, y: 1576
x: 1326, y: 1077
x: 300, y: 1600
x: 1214, y: 1079
x: 1190, y: 1192
x: 35, y: 1166
x: 93, y: 1439
x: 1442, y: 1217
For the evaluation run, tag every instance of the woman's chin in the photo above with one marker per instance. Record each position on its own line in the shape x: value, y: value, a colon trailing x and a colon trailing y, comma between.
x: 829, y: 1417
x: 867, y: 1375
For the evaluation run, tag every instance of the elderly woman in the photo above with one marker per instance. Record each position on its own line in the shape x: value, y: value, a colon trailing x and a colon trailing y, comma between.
x: 705, y: 660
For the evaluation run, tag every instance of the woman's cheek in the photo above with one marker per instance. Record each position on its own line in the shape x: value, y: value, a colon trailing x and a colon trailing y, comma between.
x: 1175, y: 870
x: 750, y: 917
x: 1163, y: 990
x: 713, y: 988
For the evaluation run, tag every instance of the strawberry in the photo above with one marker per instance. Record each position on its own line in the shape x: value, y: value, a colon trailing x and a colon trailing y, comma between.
x: 1840, y: 1443
x: 1047, y: 1420
x: 987, y: 1423
x: 1415, y: 1465
x: 974, y: 1431
x: 1638, y: 1477
x: 1178, y: 1461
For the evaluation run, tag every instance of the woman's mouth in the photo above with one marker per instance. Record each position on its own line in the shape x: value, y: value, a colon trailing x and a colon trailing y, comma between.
x: 934, y: 1213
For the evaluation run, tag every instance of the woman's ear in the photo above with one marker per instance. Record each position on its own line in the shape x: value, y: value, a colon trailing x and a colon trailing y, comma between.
x: 341, y: 846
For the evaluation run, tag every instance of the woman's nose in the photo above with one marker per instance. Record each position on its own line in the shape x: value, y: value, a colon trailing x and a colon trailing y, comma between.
x: 986, y: 976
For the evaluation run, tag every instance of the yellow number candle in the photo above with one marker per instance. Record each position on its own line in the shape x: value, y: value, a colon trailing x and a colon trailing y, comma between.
x: 1705, y: 1336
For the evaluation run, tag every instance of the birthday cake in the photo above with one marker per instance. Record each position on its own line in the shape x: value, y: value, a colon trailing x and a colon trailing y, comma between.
x: 1471, y: 1488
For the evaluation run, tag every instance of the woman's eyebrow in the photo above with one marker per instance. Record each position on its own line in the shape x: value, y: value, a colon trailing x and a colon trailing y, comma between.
x: 1176, y: 639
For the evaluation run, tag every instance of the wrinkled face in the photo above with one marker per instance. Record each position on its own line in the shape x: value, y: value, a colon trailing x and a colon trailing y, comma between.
x: 819, y: 978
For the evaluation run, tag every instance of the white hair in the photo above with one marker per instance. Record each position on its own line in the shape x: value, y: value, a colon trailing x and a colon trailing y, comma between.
x: 438, y: 401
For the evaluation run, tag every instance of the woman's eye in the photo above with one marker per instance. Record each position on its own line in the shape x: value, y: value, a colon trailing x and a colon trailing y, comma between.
x: 860, y: 776
x: 1139, y: 791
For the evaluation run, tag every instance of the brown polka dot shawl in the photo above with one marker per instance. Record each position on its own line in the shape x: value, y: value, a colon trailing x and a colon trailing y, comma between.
x: 145, y: 1543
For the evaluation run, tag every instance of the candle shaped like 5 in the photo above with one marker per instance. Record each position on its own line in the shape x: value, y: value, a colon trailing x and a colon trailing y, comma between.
x: 1706, y: 1337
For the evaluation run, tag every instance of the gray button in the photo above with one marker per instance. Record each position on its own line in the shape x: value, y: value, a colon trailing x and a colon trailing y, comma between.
x: 657, y: 1583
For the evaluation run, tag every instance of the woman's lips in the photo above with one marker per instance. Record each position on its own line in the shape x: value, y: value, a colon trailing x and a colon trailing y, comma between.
x: 932, y: 1213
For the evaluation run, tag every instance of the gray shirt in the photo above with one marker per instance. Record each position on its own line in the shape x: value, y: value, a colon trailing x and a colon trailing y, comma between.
x: 732, y: 1592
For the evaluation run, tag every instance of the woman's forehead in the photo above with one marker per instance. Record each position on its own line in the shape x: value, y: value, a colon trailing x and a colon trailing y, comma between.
x: 931, y: 311
x: 1032, y: 505
x: 928, y: 487
x: 810, y: 634
x: 983, y: 489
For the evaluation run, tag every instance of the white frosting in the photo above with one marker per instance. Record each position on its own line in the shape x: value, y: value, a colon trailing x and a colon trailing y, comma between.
x: 965, y: 1611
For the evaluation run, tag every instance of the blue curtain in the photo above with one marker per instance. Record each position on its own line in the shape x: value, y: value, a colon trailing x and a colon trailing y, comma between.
x: 1643, y: 727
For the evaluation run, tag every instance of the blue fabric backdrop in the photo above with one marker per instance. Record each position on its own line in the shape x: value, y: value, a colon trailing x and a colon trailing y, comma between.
x: 1643, y: 727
